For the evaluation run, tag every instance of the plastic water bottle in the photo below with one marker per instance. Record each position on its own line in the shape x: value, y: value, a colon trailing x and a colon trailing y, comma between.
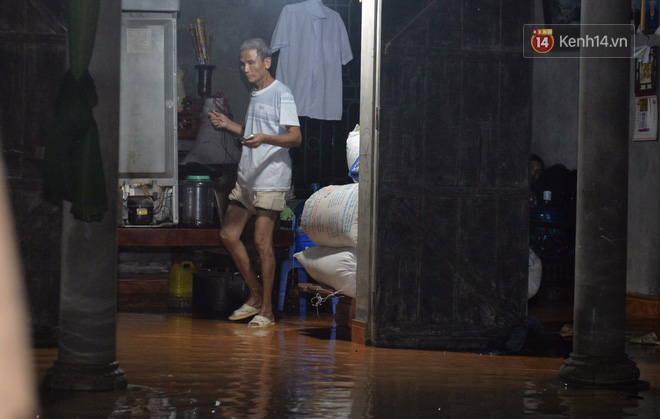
x: 546, y: 212
x: 546, y: 237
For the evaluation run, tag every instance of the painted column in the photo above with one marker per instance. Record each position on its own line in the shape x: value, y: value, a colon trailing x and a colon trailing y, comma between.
x: 598, y: 357
x: 88, y: 289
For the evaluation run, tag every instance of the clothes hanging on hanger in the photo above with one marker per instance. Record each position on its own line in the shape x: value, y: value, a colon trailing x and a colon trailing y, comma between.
x: 313, y: 45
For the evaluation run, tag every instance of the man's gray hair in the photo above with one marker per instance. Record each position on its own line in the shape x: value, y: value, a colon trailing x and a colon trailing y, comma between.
x: 263, y: 50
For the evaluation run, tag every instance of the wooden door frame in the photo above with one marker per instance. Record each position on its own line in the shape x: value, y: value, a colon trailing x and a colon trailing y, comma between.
x: 362, y: 331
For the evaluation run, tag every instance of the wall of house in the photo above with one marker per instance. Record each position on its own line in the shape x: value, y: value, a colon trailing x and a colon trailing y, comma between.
x: 555, y: 114
x: 643, y: 205
x: 643, y: 219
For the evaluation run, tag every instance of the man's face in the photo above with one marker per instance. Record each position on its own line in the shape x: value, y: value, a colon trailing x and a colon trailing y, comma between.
x: 253, y: 66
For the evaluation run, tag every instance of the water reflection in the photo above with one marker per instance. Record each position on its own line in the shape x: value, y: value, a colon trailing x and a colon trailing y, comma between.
x: 182, y: 367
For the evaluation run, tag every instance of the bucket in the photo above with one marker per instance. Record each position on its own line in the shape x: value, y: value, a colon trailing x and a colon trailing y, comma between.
x: 180, y: 286
x: 218, y: 294
x: 140, y: 210
x: 197, y: 197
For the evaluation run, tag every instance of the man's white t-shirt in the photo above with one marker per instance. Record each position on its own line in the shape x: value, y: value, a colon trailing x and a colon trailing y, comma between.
x: 268, y: 167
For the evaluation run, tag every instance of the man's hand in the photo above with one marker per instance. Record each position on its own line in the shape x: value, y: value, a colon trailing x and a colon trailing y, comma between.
x: 219, y: 120
x: 254, y: 141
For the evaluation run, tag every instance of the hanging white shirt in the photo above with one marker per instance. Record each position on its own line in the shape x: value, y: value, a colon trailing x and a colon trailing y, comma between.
x: 313, y: 45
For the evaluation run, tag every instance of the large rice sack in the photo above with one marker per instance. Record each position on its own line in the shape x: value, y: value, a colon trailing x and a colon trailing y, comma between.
x: 353, y: 153
x: 330, y: 216
x: 331, y: 266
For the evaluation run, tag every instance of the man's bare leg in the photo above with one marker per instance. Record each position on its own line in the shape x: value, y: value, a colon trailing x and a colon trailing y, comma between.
x: 233, y: 224
x: 264, y: 227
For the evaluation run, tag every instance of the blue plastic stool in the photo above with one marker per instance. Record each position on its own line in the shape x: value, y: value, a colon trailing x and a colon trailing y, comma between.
x: 301, y: 242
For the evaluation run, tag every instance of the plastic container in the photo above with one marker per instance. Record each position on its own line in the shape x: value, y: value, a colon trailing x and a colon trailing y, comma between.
x: 546, y: 212
x: 218, y: 294
x: 181, y: 286
x: 197, y: 198
x: 547, y: 235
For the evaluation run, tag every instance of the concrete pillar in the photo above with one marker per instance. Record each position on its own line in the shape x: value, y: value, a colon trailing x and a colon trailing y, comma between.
x: 598, y: 357
x: 88, y: 287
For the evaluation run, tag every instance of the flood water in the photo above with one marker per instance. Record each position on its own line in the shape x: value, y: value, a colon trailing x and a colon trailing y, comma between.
x: 183, y: 367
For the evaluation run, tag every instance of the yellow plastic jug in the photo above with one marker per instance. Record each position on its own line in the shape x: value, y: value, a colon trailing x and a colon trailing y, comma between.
x: 181, y: 280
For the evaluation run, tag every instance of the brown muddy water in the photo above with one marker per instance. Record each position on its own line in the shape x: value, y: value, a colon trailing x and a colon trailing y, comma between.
x: 178, y: 366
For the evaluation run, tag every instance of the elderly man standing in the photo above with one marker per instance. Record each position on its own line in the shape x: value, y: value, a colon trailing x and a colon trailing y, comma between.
x: 264, y: 176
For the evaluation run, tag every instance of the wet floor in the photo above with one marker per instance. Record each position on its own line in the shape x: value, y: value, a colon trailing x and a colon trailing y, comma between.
x: 183, y: 367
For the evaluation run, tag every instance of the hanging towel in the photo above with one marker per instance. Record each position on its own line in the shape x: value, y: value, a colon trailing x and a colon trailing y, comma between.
x: 73, y: 166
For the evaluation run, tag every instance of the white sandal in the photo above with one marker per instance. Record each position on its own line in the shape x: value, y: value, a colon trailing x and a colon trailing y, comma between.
x: 243, y: 312
x: 260, y: 321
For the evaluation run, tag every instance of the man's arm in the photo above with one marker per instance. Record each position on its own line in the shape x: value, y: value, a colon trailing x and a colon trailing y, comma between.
x: 293, y: 138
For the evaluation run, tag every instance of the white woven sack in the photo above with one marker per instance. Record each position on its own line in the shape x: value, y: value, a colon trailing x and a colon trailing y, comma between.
x: 330, y: 216
x: 535, y: 274
x: 331, y: 266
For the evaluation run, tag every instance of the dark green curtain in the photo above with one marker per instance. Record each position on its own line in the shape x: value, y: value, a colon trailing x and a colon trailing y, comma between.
x: 73, y: 168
